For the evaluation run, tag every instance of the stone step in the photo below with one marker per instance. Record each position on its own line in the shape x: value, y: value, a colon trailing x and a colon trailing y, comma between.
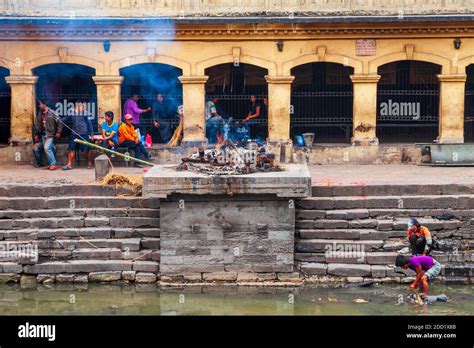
x: 112, y: 254
x: 335, y: 256
x: 83, y: 212
x: 324, y: 245
x: 387, y: 224
x: 378, y: 271
x: 460, y: 214
x: 73, y: 202
x: 80, y: 254
x: 386, y: 202
x: 87, y: 266
x: 124, y: 244
x: 379, y: 258
x: 453, y: 270
x: 391, y: 190
x: 77, y: 222
x: 343, y: 234
x: 382, y: 214
x: 146, y: 248
x: 77, y: 233
x: 49, y: 190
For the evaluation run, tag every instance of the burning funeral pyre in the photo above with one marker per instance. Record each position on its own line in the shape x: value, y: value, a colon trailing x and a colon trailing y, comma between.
x: 229, y: 159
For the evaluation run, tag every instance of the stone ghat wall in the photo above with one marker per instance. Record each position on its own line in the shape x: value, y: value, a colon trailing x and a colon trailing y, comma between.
x: 229, y: 8
x: 83, y: 235
x: 351, y: 234
x: 356, y: 232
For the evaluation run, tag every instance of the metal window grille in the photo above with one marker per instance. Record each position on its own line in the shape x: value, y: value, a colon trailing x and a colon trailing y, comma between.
x: 321, y: 102
x: 469, y: 106
x: 408, y: 102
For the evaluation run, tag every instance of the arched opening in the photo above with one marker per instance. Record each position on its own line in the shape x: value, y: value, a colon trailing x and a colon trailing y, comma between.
x: 147, y: 81
x: 62, y: 85
x: 321, y: 100
x: 408, y: 102
x: 231, y: 86
x: 469, y: 106
x: 5, y: 105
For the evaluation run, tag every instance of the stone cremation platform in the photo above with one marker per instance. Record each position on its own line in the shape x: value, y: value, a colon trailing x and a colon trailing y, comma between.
x: 164, y: 180
x: 234, y: 223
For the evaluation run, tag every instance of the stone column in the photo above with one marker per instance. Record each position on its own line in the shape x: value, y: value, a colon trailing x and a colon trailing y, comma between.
x: 451, y: 108
x: 194, y: 100
x: 109, y: 96
x: 23, y: 108
x: 364, y: 115
x: 279, y: 105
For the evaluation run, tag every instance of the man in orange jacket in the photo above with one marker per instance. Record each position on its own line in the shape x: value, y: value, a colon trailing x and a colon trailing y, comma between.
x: 419, y: 238
x: 128, y: 138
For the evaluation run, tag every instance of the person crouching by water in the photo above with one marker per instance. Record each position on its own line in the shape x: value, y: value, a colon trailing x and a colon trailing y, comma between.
x: 128, y: 138
x: 419, y: 238
x: 426, y: 268
x: 81, y: 129
x: 47, y: 128
x: 110, y: 132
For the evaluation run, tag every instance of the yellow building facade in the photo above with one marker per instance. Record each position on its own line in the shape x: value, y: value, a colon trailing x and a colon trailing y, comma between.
x: 277, y: 36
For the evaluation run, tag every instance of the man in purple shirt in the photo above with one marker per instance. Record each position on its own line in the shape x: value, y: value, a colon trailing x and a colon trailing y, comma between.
x: 131, y: 108
x: 426, y: 268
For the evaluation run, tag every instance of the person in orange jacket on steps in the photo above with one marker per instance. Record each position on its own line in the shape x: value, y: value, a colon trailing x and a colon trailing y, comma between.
x: 419, y: 238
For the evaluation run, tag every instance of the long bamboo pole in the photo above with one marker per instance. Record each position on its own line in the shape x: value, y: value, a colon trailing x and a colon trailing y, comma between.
x: 127, y: 157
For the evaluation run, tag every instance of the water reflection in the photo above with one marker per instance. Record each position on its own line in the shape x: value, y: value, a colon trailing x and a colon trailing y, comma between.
x: 148, y: 299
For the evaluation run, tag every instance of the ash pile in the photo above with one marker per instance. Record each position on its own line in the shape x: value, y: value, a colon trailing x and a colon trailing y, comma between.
x: 231, y: 159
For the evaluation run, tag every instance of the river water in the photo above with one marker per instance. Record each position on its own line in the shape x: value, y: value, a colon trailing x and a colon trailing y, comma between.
x: 105, y: 299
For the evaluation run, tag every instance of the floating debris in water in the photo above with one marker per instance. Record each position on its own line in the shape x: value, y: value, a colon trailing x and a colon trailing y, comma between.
x: 360, y: 300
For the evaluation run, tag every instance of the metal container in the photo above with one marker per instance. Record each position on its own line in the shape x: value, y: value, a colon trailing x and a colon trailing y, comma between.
x: 286, y: 154
x: 449, y: 154
x: 308, y: 139
x: 252, y: 145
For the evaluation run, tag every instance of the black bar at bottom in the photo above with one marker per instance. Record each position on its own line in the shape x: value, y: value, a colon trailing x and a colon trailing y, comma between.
x: 213, y: 330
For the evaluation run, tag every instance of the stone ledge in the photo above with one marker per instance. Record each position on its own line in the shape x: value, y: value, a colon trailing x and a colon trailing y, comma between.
x: 163, y: 180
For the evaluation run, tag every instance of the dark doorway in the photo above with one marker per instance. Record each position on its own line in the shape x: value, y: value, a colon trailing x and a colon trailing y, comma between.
x: 233, y: 85
x: 147, y: 80
x: 321, y: 101
x: 408, y: 102
x: 469, y: 106
x: 61, y: 85
x: 5, y: 106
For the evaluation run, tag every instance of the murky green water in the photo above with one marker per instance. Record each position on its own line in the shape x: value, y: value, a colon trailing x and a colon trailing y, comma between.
x: 64, y: 299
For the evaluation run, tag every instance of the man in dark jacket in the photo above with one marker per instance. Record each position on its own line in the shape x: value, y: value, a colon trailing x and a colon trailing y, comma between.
x: 47, y: 128
x: 161, y: 118
x: 81, y: 129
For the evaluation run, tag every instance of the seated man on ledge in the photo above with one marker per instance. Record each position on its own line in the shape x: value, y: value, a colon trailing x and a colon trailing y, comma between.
x: 128, y: 138
x: 110, y: 132
x: 426, y: 268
